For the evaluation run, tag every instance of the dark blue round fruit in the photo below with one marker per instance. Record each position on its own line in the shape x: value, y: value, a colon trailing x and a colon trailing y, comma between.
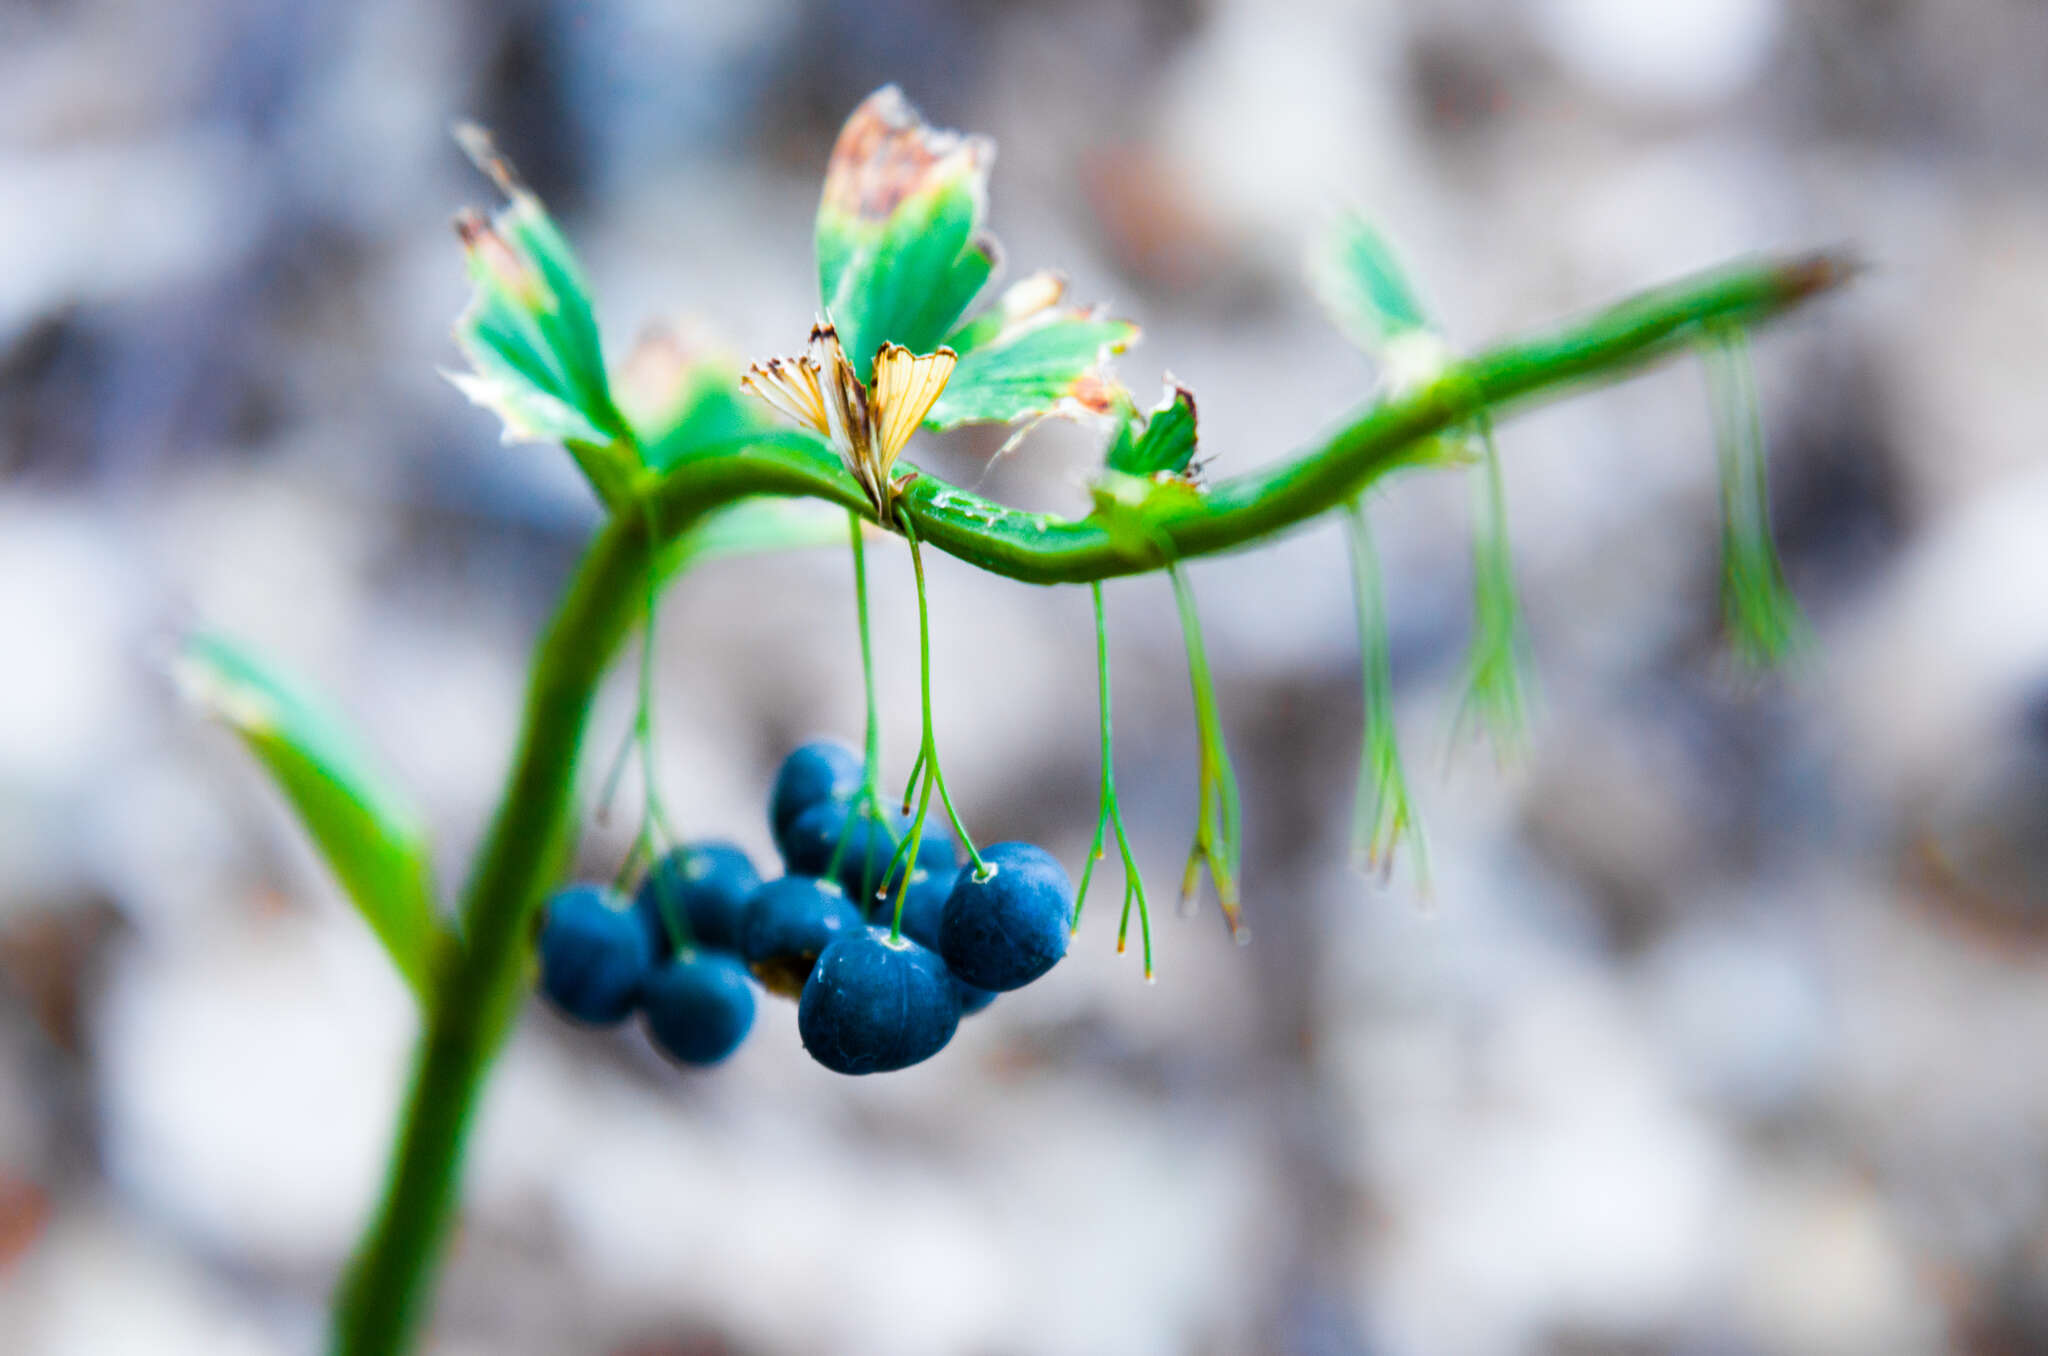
x: 873, y: 1005
x: 813, y: 846
x: 923, y: 906
x: 706, y: 885
x: 1006, y: 929
x: 593, y: 954
x: 788, y: 923
x: 698, y: 1007
x: 822, y: 770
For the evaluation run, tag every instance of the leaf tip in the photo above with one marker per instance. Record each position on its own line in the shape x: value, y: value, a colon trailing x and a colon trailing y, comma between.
x: 886, y: 153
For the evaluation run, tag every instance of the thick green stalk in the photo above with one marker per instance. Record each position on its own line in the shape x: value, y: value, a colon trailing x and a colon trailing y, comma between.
x: 387, y: 1289
x: 385, y: 1293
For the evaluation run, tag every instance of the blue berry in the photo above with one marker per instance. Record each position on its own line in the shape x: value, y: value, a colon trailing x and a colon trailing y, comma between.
x: 788, y: 923
x: 923, y: 906
x: 923, y: 903
x: 814, y: 839
x: 873, y: 1005
x: 707, y: 884
x: 1005, y: 931
x: 822, y: 770
x: 593, y: 954
x: 698, y: 1007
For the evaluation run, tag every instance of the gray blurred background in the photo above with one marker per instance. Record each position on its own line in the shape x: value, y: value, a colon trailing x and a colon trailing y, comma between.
x: 1718, y: 1033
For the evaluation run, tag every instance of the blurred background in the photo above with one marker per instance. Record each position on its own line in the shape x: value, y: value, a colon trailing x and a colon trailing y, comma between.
x: 1717, y: 1032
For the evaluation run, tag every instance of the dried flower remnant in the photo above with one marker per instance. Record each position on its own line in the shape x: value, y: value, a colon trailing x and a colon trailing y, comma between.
x: 867, y: 425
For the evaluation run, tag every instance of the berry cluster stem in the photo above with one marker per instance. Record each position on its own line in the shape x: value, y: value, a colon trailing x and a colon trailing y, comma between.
x: 905, y: 861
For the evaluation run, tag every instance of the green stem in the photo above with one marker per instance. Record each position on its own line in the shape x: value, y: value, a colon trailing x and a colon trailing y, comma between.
x: 1219, y: 829
x: 1382, y: 814
x: 872, y: 743
x: 1109, y: 814
x: 905, y: 859
x: 385, y: 1294
x: 1497, y: 656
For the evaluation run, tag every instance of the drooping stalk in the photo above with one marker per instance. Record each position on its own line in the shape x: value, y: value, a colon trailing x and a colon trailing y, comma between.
x: 1109, y: 813
x: 1382, y: 814
x: 872, y: 742
x: 1219, y: 824
x: 657, y: 833
x: 385, y: 1293
x: 904, y: 862
x: 868, y: 800
x: 1757, y: 606
x: 1496, y: 661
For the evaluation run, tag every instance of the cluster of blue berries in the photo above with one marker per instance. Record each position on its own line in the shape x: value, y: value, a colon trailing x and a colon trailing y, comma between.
x: 868, y: 1000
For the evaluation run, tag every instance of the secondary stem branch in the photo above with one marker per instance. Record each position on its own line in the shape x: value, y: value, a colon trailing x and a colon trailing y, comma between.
x: 386, y: 1291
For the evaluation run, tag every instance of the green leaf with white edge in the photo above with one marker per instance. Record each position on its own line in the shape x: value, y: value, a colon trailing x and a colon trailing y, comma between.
x: 1166, y: 443
x: 370, y: 836
x: 1363, y: 287
x: 901, y: 252
x: 1052, y: 365
x: 529, y: 332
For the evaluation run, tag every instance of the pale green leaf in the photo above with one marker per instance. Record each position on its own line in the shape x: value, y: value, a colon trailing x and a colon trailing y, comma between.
x: 372, y: 839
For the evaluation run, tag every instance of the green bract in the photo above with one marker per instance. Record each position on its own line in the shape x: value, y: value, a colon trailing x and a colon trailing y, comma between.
x: 529, y: 334
x: 1370, y: 298
x: 1164, y: 445
x: 536, y: 359
x: 902, y: 254
x: 1359, y: 281
x: 372, y: 838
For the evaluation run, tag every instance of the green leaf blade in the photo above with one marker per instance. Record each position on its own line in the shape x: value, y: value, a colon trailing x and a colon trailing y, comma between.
x: 369, y: 835
x: 1362, y: 285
